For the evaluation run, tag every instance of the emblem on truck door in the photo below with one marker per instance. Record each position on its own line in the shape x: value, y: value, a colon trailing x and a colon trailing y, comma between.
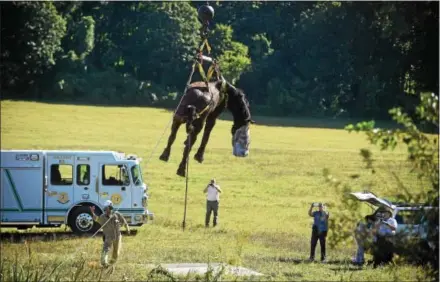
x: 63, y: 198
x: 116, y: 198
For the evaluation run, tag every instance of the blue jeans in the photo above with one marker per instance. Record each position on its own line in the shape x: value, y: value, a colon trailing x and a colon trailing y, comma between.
x: 360, y: 253
x: 361, y: 242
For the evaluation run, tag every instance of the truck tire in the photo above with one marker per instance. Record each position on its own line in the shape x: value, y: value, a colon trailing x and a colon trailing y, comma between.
x: 81, y: 221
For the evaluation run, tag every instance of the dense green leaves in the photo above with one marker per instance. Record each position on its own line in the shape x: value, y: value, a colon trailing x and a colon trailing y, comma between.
x: 31, y: 37
x: 354, y: 59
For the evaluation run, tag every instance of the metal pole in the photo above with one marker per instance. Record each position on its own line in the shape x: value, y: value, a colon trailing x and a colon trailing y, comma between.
x: 186, y: 189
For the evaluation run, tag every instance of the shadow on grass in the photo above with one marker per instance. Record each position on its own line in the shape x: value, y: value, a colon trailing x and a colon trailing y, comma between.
x: 308, y: 122
x: 337, y: 265
x: 298, y: 261
x: 305, y: 122
x: 290, y: 260
x: 347, y: 268
x: 292, y: 275
x: 21, y: 237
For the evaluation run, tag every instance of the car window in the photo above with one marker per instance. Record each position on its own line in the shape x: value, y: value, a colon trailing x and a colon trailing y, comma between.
x: 412, y: 217
x: 115, y: 175
x: 61, y: 174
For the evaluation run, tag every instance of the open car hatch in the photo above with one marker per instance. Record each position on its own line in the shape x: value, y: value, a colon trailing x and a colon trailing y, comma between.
x: 372, y: 199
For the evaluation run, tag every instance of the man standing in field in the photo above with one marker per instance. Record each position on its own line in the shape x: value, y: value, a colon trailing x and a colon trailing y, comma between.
x: 111, y: 223
x: 319, y: 230
x: 212, y: 201
x: 363, y: 235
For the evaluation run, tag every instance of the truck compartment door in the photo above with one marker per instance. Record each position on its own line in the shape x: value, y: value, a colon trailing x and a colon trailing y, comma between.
x: 21, y: 187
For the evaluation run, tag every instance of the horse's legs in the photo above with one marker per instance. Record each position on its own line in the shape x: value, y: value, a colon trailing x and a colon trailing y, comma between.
x: 174, y: 128
x: 191, y: 139
x: 210, y: 122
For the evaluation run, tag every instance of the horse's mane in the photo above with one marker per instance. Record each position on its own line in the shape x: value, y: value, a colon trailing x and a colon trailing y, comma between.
x: 238, y: 95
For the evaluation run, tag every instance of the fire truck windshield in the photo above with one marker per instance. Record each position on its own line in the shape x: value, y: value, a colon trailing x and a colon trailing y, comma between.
x: 137, y: 175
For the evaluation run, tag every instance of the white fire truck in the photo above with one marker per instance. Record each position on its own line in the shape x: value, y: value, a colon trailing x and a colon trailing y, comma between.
x: 49, y: 188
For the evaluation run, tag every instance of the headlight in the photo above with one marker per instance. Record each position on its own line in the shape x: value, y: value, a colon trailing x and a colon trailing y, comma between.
x: 144, y: 200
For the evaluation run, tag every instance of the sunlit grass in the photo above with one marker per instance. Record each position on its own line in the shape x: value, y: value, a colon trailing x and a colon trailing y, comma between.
x: 263, y: 210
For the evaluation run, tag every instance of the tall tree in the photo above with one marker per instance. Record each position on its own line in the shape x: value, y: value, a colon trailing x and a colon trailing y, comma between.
x: 31, y: 37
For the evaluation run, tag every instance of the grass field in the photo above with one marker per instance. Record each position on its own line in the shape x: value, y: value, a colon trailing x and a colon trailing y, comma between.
x: 263, y: 210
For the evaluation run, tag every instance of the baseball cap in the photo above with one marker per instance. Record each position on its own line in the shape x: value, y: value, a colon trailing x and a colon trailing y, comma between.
x: 384, y: 209
x: 108, y: 203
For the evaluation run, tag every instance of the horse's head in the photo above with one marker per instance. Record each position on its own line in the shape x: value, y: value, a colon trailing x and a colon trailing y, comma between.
x: 239, y: 107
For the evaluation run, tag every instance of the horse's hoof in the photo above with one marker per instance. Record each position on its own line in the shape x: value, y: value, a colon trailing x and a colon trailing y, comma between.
x: 199, y: 158
x: 181, y: 172
x: 164, y: 157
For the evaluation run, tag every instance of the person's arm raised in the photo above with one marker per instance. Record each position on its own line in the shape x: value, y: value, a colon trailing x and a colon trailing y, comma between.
x: 310, y: 210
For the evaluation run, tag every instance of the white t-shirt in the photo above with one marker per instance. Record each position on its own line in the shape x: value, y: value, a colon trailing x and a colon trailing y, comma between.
x: 213, y: 194
x: 384, y: 229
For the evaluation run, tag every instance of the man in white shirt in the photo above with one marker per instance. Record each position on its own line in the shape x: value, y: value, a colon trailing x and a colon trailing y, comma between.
x: 384, y: 230
x: 387, y: 226
x: 212, y: 201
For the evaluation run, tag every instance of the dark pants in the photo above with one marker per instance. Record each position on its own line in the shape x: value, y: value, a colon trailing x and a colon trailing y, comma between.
x: 315, y: 236
x: 383, y: 251
x: 211, y: 206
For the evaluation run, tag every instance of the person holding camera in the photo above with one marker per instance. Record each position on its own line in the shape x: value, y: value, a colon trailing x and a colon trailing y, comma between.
x: 384, y: 230
x: 212, y: 201
x: 319, y: 230
x: 387, y: 225
x: 110, y: 223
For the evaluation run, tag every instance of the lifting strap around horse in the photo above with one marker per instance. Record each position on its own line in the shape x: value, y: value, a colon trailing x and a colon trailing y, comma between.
x: 205, y: 43
x: 206, y: 76
x: 223, y: 96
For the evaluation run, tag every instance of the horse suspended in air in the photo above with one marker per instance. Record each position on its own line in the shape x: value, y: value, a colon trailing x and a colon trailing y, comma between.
x: 202, y: 106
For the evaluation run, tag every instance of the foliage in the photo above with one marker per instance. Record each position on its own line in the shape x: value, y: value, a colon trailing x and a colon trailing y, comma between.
x: 85, y: 36
x: 31, y: 37
x: 422, y: 155
x: 333, y: 59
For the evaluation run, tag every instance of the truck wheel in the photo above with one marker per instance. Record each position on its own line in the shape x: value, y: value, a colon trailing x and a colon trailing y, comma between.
x: 81, y: 221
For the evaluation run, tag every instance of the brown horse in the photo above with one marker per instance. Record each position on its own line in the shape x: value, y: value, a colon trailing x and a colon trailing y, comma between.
x: 200, y: 106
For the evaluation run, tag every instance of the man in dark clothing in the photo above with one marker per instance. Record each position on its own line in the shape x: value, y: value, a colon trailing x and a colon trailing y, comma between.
x: 319, y: 230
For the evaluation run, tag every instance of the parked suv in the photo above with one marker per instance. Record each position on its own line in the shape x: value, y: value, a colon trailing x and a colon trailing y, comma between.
x: 411, y: 223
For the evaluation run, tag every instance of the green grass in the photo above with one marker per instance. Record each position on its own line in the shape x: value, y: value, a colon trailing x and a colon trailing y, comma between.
x: 263, y: 210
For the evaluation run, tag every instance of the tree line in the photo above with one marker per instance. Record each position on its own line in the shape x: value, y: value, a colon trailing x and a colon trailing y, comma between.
x: 321, y: 59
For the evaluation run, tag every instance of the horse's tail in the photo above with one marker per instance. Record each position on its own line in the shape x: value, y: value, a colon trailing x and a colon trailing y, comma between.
x: 191, y: 114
